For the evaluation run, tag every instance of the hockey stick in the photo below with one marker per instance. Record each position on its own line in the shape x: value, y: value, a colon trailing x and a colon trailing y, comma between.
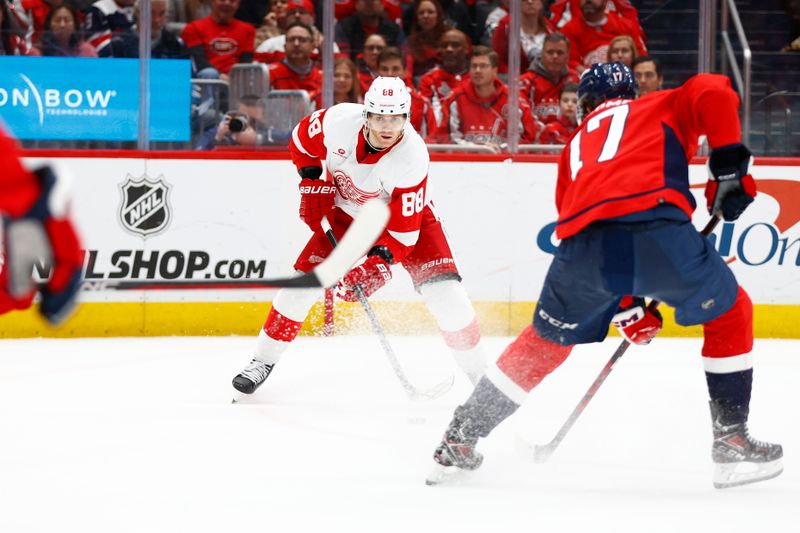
x: 542, y: 452
x: 413, y: 392
x: 361, y: 234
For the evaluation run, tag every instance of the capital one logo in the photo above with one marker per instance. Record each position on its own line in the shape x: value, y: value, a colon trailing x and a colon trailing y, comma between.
x: 775, y: 242
x: 51, y: 101
x: 764, y: 242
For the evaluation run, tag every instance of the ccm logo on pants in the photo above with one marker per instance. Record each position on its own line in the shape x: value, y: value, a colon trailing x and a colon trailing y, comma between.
x: 557, y: 323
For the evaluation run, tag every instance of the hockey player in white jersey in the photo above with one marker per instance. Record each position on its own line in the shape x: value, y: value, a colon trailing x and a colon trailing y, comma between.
x: 346, y: 155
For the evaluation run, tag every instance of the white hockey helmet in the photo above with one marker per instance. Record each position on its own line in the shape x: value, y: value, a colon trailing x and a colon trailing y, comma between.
x: 387, y: 96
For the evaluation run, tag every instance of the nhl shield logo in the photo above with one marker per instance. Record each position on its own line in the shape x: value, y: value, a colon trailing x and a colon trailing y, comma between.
x: 145, y: 208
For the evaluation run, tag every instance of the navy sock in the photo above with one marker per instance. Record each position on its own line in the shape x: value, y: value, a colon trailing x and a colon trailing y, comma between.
x: 731, y: 392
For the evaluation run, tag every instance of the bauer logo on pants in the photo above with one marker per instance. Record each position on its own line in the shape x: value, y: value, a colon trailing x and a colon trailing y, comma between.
x: 145, y: 207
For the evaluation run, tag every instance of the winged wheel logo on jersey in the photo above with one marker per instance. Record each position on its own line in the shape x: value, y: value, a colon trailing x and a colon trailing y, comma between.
x: 349, y: 191
x: 145, y: 207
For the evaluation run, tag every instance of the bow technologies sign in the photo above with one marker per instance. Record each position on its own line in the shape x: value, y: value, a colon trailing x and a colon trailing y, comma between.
x: 71, y: 98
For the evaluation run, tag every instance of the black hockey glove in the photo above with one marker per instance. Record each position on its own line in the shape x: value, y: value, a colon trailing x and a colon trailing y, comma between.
x: 730, y: 189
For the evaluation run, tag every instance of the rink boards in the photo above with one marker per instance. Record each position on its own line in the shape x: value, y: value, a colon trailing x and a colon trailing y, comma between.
x: 168, y: 216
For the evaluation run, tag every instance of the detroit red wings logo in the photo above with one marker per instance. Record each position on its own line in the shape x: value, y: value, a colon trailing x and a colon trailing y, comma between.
x: 349, y: 191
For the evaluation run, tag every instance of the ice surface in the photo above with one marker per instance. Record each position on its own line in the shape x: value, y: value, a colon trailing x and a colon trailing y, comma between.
x: 139, y: 435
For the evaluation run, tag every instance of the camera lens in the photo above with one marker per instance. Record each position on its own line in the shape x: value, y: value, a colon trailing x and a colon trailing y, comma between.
x: 237, y: 124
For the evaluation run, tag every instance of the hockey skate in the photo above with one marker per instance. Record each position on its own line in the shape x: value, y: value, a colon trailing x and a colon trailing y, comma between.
x: 738, y: 458
x: 251, y: 378
x: 455, y: 454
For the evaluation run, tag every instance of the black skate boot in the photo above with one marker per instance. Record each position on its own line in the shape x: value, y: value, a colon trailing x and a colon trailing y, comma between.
x: 740, y: 459
x: 251, y: 378
x: 456, y: 453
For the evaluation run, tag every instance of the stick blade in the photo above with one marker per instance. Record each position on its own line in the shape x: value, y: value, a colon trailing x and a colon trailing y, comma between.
x: 537, y: 453
x: 434, y: 392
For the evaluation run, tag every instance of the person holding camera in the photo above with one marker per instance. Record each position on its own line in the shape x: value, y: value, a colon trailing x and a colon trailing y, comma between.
x: 243, y: 127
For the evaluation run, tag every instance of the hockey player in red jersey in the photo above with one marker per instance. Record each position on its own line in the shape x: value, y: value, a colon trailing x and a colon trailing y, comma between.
x: 369, y: 151
x: 36, y: 229
x: 624, y: 207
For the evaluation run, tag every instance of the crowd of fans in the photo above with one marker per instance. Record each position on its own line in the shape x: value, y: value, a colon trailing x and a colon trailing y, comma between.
x: 453, y: 54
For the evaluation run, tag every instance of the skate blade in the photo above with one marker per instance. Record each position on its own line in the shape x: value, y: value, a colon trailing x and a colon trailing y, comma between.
x: 727, y: 475
x: 444, y: 474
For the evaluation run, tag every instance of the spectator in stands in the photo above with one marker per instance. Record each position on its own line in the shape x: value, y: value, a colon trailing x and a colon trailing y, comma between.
x: 60, y: 37
x: 296, y: 70
x: 558, y: 132
x: 352, y: 32
x: 427, y: 27
x: 456, y: 15
x: 219, y: 41
x: 591, y: 33
x: 541, y: 86
x: 103, y: 19
x: 391, y: 8
x: 392, y: 63
x: 493, y: 18
x: 367, y: 63
x: 346, y: 87
x: 438, y: 83
x: 165, y: 44
x: 274, y: 22
x: 534, y: 26
x: 648, y: 73
x: 244, y: 127
x: 35, y: 13
x: 476, y: 112
x: 563, y: 11
x: 274, y: 48
x: 622, y: 48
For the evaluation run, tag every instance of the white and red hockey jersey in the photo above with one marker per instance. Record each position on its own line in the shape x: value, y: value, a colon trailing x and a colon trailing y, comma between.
x: 397, y: 175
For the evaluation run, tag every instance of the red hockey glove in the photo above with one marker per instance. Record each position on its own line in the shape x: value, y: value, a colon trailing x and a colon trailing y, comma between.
x: 370, y: 275
x: 316, y: 201
x: 45, y: 234
x: 730, y: 189
x: 636, y: 322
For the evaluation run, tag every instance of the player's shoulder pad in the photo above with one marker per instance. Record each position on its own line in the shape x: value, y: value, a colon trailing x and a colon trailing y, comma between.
x: 341, y: 118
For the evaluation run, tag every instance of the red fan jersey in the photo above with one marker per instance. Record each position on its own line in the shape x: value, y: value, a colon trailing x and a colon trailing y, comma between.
x: 632, y: 155
x: 542, y: 92
x: 282, y: 77
x: 437, y: 84
x: 563, y: 11
x: 589, y: 43
x: 557, y: 132
x: 223, y: 45
x: 396, y: 175
x: 472, y: 119
x: 422, y: 118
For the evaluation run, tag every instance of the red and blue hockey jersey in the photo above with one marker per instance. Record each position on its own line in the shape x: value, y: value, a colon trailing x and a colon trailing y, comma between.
x: 632, y: 155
